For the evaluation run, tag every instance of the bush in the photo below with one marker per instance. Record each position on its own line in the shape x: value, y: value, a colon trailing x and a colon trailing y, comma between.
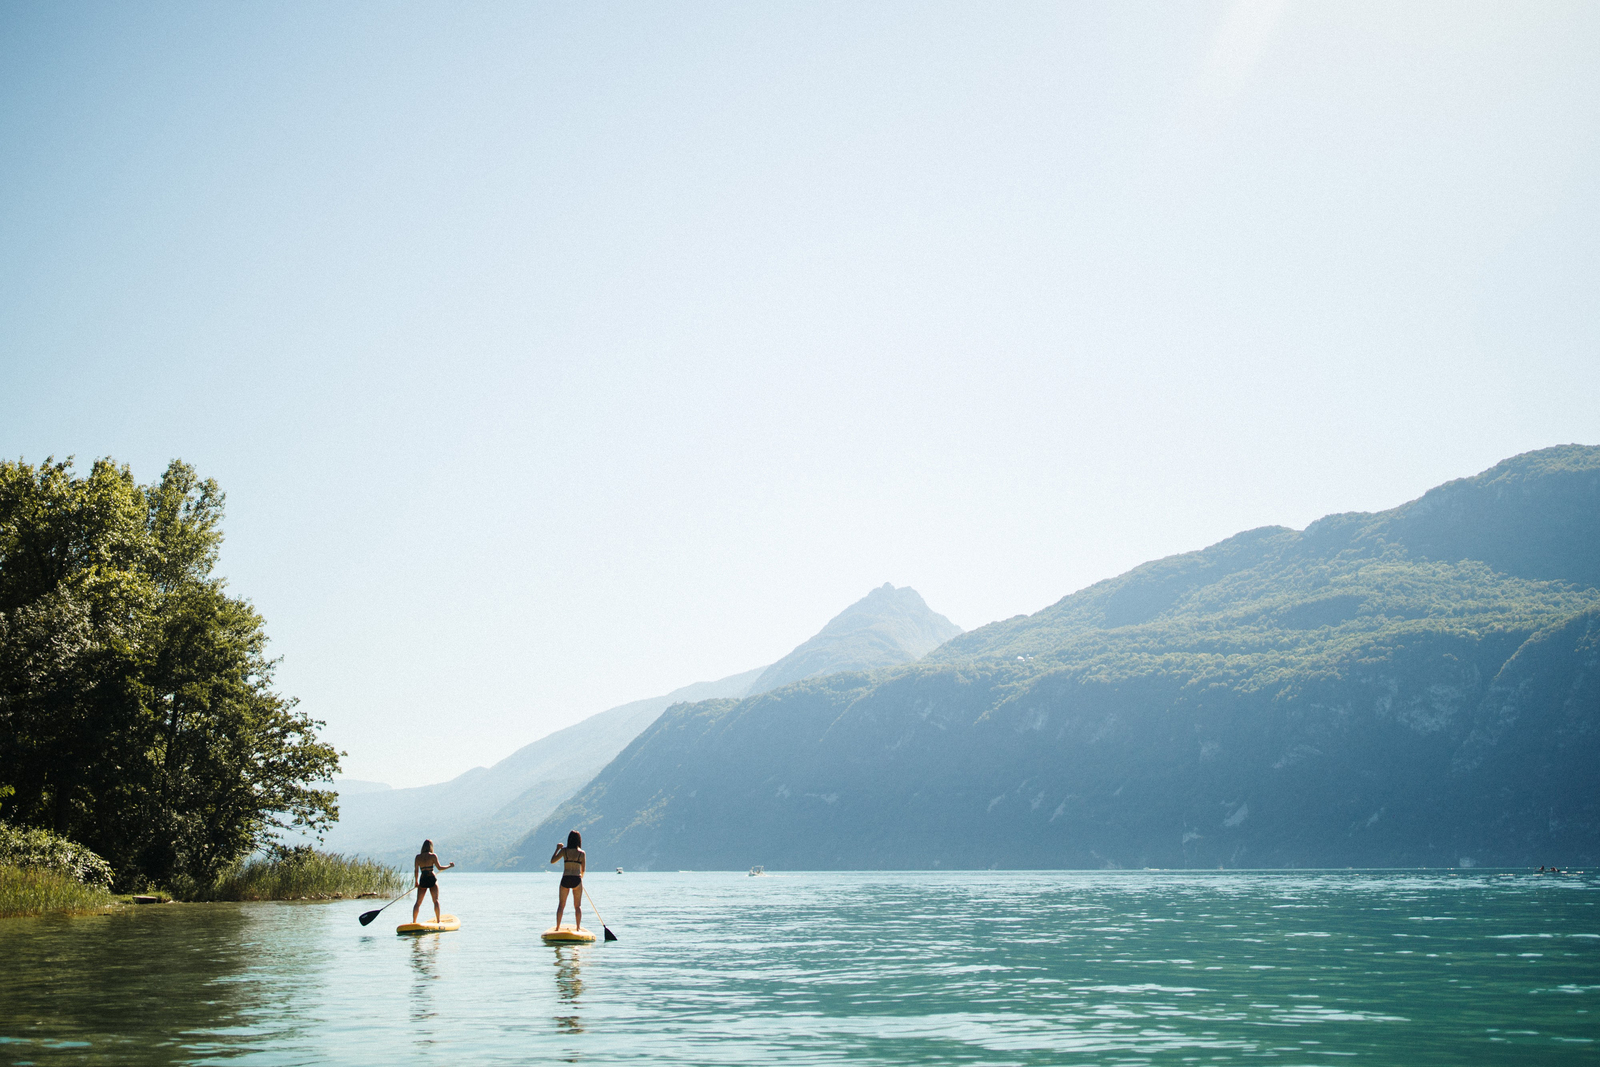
x: 41, y: 850
x: 40, y: 891
x: 304, y: 873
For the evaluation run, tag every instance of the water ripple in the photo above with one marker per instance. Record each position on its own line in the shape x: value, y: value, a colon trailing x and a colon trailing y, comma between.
x: 1013, y: 968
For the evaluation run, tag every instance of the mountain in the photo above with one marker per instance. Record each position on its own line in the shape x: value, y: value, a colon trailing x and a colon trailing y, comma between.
x: 478, y: 817
x: 475, y: 816
x: 1419, y: 686
x: 351, y: 786
x: 885, y: 628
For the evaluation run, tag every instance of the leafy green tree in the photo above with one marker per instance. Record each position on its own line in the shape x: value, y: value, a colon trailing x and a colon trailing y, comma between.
x: 137, y: 713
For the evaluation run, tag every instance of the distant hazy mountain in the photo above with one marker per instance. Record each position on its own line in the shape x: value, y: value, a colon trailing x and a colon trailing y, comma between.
x: 352, y: 786
x: 477, y: 818
x: 474, y: 817
x: 1418, y: 686
x: 885, y: 628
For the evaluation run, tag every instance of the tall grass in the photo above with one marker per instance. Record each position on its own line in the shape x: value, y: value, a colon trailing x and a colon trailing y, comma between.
x: 31, y: 847
x: 41, y: 891
x: 304, y: 874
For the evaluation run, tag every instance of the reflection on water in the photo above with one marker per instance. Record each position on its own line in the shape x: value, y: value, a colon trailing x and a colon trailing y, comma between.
x: 1021, y: 968
x: 421, y: 952
x: 569, y: 987
x: 87, y: 989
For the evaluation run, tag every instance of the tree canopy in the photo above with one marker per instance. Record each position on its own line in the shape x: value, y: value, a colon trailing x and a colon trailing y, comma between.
x: 137, y: 710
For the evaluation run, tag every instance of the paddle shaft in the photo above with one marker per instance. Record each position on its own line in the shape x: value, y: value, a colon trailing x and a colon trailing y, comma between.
x: 368, y: 916
x: 609, y: 935
x: 595, y: 906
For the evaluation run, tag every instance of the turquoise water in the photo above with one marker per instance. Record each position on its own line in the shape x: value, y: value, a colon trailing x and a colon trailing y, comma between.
x: 1476, y: 967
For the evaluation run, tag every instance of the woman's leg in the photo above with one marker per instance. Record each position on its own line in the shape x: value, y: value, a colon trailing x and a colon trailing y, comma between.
x: 561, y: 904
x: 418, y: 905
x: 577, y: 905
x: 434, y: 889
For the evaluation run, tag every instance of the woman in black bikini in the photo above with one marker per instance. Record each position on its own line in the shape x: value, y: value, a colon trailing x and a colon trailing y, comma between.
x: 422, y: 877
x: 571, y: 876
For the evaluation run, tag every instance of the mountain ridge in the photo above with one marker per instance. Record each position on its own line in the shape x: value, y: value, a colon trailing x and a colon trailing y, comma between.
x: 1322, y: 697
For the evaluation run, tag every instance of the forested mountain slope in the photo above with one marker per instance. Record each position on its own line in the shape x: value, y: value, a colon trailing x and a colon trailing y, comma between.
x: 1417, y: 686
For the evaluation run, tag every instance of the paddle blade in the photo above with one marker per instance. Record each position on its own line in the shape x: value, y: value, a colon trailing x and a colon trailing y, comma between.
x: 368, y: 916
x: 609, y: 935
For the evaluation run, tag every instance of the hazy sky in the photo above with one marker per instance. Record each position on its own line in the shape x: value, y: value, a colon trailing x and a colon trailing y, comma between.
x: 553, y: 356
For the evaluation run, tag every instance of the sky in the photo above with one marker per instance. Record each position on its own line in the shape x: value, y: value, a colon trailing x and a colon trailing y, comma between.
x: 553, y: 356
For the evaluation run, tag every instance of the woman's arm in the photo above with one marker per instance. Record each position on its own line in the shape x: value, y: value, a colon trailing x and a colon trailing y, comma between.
x: 583, y: 863
x: 415, y: 866
x: 557, y: 853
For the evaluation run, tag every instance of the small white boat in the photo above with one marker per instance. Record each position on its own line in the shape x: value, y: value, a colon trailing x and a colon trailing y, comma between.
x: 757, y: 870
x: 619, y: 870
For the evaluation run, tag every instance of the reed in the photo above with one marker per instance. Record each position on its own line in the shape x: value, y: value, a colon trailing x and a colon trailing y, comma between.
x: 41, y: 891
x: 305, y: 874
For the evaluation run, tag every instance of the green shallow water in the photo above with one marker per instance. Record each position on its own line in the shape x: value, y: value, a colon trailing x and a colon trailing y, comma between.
x: 976, y: 968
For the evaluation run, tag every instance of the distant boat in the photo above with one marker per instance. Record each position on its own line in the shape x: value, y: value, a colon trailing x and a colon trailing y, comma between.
x: 757, y: 870
x: 619, y: 870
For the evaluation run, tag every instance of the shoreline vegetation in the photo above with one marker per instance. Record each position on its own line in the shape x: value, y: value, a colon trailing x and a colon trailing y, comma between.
x: 306, y: 874
x: 26, y: 892
x: 44, y: 874
x: 32, y: 891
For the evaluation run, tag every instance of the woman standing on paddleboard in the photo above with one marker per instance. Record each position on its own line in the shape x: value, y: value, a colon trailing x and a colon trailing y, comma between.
x: 422, y: 877
x: 571, y: 876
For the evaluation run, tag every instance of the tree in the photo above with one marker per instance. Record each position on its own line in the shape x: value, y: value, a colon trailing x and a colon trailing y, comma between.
x: 137, y: 713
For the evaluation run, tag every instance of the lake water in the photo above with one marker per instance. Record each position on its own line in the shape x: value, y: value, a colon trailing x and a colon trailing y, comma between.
x: 1471, y: 967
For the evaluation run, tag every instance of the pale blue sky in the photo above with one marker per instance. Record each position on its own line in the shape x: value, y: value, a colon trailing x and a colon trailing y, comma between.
x: 553, y: 356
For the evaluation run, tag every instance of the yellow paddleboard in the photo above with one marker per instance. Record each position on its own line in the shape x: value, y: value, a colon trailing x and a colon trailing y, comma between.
x: 449, y: 922
x: 567, y: 935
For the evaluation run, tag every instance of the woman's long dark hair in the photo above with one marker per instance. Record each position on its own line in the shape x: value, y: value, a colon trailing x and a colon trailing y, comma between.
x: 574, y: 839
x: 427, y: 846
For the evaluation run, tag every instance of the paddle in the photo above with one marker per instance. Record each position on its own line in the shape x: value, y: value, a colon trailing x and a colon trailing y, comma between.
x: 368, y: 916
x: 609, y: 935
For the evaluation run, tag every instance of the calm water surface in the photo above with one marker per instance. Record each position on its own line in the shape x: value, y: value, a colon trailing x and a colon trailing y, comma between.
x: 1475, y: 967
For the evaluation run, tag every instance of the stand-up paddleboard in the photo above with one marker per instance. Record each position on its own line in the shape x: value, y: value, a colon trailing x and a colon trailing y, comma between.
x: 448, y: 922
x: 567, y: 935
